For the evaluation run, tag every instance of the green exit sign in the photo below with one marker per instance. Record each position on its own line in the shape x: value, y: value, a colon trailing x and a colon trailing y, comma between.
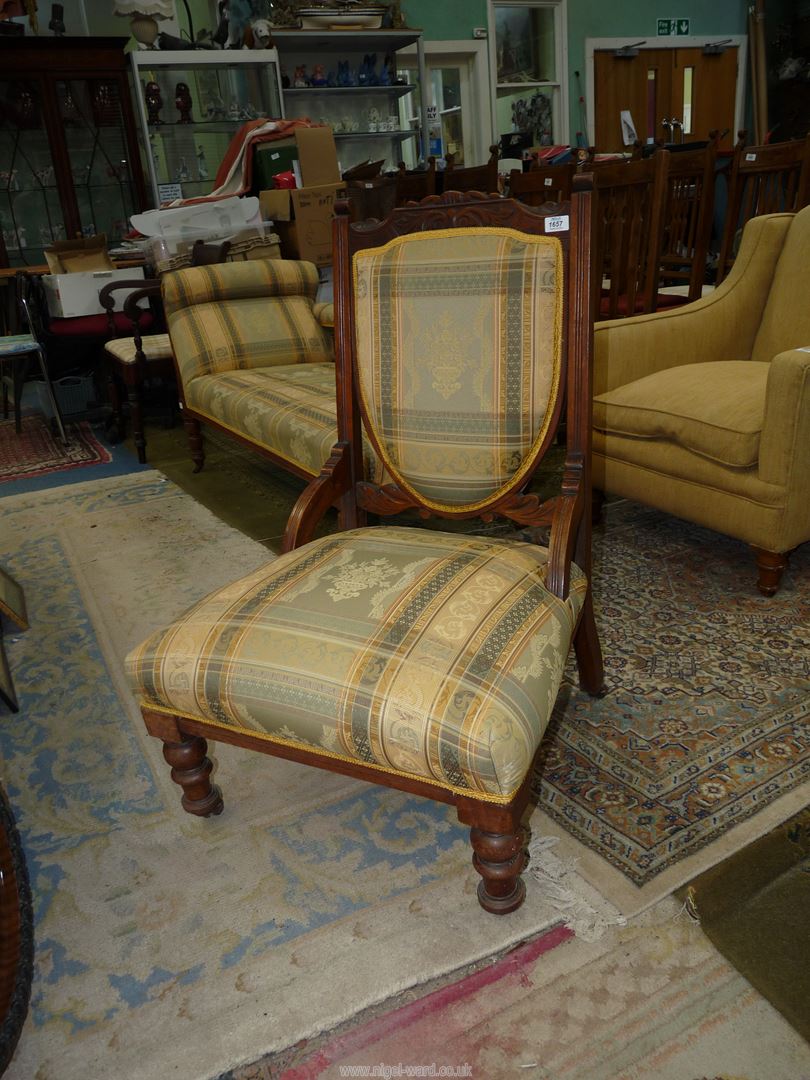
x: 673, y: 27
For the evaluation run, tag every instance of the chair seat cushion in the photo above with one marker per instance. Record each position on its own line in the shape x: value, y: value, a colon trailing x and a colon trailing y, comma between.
x: 715, y: 409
x: 154, y: 347
x: 290, y: 409
x: 437, y: 655
x: 12, y: 344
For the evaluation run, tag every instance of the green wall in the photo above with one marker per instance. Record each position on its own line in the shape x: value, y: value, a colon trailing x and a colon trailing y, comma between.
x: 444, y: 20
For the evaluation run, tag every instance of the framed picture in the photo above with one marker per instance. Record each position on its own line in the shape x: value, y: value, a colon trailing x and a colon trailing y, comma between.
x: 7, y: 692
x: 12, y: 600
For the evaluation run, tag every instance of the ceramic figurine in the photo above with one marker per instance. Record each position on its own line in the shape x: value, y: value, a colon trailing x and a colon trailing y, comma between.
x: 45, y: 237
x: 22, y: 106
x: 183, y: 175
x: 182, y: 99
x: 318, y: 75
x: 300, y: 77
x: 262, y: 34
x: 104, y: 103
x: 202, y: 164
x: 154, y: 103
x: 233, y: 110
x: 215, y: 109
x: 22, y: 239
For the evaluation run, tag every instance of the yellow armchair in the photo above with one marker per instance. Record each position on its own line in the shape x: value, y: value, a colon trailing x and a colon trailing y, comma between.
x: 704, y: 411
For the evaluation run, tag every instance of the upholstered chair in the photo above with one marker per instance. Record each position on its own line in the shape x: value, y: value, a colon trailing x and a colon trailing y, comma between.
x: 704, y: 411
x: 418, y: 658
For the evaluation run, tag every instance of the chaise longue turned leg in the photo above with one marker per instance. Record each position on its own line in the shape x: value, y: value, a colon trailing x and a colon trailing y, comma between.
x: 195, y: 441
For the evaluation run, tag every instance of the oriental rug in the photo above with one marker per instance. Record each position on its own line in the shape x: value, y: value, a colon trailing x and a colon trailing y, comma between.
x: 36, y: 451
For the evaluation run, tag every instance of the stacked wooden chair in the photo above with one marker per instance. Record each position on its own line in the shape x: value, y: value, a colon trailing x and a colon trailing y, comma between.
x: 472, y: 178
x: 768, y: 179
x: 417, y: 659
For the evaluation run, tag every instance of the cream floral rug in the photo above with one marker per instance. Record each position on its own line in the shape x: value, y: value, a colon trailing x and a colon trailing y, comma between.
x: 173, y: 946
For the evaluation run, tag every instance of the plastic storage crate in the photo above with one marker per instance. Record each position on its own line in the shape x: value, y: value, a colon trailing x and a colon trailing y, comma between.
x: 74, y: 393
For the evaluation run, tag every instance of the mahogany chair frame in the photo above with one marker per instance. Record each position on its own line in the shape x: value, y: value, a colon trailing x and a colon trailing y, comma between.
x: 133, y: 375
x: 629, y: 202
x: 688, y: 218
x: 474, y: 177
x: 415, y: 185
x: 545, y: 183
x: 496, y: 832
x: 769, y: 179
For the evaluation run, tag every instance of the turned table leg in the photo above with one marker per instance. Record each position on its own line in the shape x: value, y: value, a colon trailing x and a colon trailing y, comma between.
x: 770, y: 566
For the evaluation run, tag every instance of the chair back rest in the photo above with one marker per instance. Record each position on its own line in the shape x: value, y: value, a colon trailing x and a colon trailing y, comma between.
x: 454, y: 318
x: 767, y: 179
x: 251, y: 314
x: 629, y: 200
x: 473, y: 178
x: 688, y: 217
x: 785, y: 321
x: 546, y: 183
x: 416, y: 185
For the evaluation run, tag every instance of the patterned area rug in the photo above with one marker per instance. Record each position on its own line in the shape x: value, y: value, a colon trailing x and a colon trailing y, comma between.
x: 172, y: 946
x: 36, y: 451
x: 705, y: 726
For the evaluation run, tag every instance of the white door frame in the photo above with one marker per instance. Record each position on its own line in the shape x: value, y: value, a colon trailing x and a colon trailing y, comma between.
x: 560, y: 117
x: 474, y: 52
x: 669, y: 42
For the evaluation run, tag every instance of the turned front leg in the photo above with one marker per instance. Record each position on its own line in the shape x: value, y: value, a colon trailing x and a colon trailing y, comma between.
x: 499, y: 858
x: 191, y: 769
x: 195, y: 440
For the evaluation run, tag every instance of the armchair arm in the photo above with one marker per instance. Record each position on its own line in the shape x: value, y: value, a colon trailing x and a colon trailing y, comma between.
x: 784, y: 451
x: 325, y: 314
x: 722, y: 326
x: 144, y: 287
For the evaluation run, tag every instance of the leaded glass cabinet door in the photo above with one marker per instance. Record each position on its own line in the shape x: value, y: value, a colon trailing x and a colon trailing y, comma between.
x: 69, y: 161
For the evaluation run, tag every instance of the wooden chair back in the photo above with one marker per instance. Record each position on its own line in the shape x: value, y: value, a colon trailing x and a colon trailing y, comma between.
x: 688, y: 217
x: 629, y: 199
x: 767, y: 179
x: 474, y: 178
x: 547, y: 183
x: 416, y: 184
x: 549, y: 276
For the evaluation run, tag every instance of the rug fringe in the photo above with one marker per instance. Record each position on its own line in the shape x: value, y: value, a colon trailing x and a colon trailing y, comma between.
x: 562, y: 889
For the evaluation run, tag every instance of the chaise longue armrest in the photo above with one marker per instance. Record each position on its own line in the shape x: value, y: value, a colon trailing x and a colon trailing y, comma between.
x: 721, y: 326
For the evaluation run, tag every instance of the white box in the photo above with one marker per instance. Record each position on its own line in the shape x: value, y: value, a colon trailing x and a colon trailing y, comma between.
x: 70, y: 295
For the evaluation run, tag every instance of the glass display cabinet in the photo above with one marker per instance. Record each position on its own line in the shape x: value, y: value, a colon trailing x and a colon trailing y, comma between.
x: 69, y: 160
x: 191, y: 103
x: 355, y: 82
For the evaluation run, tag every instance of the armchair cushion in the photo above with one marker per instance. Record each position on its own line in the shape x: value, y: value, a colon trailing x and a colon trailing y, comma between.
x: 436, y: 655
x: 786, y: 318
x: 715, y: 409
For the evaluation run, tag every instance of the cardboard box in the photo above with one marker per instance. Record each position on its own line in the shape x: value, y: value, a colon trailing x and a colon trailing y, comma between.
x: 303, y: 220
x: 71, y: 295
x: 303, y: 216
x: 77, y: 256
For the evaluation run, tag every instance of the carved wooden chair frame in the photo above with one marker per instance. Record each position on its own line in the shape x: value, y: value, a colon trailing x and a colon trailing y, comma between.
x: 497, y: 835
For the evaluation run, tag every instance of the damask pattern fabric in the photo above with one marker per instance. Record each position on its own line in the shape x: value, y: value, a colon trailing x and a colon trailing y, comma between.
x: 154, y: 347
x: 244, y: 315
x: 431, y: 654
x: 293, y: 414
x: 458, y: 355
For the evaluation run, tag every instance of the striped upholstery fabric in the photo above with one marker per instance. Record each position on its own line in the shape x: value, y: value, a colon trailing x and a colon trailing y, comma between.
x: 293, y: 414
x: 154, y: 347
x: 431, y: 654
x: 458, y: 356
x: 242, y: 315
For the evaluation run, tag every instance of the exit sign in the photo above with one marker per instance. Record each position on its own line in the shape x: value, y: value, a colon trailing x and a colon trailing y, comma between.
x: 673, y: 27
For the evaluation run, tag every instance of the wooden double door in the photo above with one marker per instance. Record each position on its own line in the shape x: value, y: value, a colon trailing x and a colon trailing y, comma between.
x: 670, y: 94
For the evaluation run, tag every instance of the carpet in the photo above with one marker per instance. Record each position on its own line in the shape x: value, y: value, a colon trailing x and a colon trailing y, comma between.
x: 703, y: 742
x: 36, y: 451
x: 649, y: 1001
x: 167, y: 945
